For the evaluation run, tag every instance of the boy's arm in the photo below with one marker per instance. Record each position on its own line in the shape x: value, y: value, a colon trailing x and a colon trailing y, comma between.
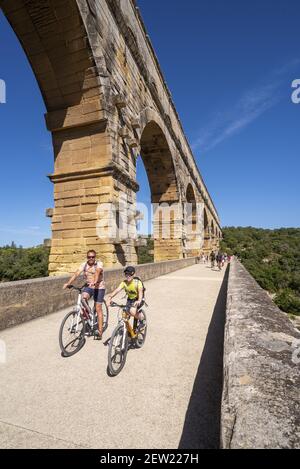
x: 140, y: 299
x: 114, y: 293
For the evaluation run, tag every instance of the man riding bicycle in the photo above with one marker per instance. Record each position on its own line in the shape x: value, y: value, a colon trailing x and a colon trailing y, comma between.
x: 135, y: 291
x: 95, y: 286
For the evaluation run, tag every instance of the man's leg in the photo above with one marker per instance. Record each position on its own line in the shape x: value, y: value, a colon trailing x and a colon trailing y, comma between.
x: 99, y: 298
x: 86, y: 296
x: 100, y: 318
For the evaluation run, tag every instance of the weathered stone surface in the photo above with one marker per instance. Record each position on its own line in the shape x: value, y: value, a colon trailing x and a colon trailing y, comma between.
x: 29, y: 299
x: 261, y: 396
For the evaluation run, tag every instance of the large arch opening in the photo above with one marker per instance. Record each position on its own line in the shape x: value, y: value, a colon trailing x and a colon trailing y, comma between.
x: 55, y: 41
x: 192, y: 248
x: 158, y: 163
x: 26, y: 150
x: 206, y: 246
x: 144, y: 225
x: 212, y: 235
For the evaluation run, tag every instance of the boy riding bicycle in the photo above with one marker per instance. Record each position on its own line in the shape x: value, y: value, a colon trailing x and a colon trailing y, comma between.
x: 134, y: 289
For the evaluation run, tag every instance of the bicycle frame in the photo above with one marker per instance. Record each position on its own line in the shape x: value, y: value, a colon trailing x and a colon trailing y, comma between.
x: 127, y: 327
x: 87, y: 314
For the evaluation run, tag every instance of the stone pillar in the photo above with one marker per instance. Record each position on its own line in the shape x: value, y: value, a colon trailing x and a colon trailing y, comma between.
x: 89, y: 214
x: 85, y: 180
x: 207, y: 243
x: 193, y: 221
x: 167, y: 232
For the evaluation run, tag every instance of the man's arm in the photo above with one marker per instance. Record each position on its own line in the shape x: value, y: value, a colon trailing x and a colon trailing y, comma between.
x: 98, y: 273
x: 72, y: 279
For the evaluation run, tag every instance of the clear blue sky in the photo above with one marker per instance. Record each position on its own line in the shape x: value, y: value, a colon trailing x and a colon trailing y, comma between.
x: 229, y: 66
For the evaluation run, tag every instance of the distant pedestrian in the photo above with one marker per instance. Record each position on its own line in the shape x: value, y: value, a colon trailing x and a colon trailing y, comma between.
x: 220, y: 260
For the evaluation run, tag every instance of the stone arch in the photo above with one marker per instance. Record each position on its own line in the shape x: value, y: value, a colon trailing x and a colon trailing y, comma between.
x: 191, y: 220
x: 158, y: 161
x: 206, y: 224
x: 206, y: 246
x: 191, y: 209
x: 148, y: 115
x: 212, y: 228
x: 55, y: 41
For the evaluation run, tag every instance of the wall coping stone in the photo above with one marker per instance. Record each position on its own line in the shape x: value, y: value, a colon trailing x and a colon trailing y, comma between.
x: 261, y: 389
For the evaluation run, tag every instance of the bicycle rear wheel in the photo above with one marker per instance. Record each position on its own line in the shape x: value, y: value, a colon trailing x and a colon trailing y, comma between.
x: 116, y: 352
x: 105, y: 315
x: 72, y: 334
x: 141, y: 332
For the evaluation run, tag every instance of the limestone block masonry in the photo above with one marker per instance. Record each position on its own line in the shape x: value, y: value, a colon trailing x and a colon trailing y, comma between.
x: 261, y: 398
x: 108, y: 104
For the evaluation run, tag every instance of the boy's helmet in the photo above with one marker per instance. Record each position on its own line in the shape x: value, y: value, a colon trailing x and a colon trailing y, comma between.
x: 129, y: 270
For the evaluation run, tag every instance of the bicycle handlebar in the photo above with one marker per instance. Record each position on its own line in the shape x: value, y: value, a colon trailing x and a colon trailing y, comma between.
x: 72, y: 287
x: 115, y: 305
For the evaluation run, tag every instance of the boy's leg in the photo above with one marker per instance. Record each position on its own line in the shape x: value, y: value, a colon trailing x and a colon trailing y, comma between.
x: 135, y: 314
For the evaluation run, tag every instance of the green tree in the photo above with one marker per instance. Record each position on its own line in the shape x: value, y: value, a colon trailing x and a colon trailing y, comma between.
x: 272, y: 257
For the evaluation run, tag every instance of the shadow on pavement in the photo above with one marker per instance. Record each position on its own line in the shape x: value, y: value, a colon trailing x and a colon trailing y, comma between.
x: 203, y: 418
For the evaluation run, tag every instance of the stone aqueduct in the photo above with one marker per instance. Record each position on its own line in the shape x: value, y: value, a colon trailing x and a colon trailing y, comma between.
x: 107, y: 103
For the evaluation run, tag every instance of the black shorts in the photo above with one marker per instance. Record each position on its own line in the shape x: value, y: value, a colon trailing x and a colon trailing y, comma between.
x: 98, y: 295
x: 130, y: 303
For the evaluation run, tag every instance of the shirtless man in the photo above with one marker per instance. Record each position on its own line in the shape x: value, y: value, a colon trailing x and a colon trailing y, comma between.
x: 95, y: 286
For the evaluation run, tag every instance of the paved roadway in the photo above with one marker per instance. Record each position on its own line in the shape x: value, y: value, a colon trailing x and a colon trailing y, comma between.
x: 167, y: 396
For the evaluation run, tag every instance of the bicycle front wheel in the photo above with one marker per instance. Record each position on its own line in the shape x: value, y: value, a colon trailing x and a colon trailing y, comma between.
x: 72, y: 334
x: 117, y: 351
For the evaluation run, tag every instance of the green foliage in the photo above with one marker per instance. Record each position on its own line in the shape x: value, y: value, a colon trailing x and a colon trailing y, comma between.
x: 287, y: 300
x: 272, y: 257
x: 20, y: 263
x: 145, y: 253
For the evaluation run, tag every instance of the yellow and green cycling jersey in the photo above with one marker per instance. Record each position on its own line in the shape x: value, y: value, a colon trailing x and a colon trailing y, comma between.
x: 132, y: 288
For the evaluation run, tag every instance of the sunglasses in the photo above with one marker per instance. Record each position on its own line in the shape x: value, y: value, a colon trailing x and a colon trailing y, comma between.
x: 91, y: 257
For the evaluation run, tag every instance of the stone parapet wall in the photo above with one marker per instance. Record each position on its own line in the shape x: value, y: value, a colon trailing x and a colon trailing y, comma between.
x: 261, y: 399
x: 29, y: 299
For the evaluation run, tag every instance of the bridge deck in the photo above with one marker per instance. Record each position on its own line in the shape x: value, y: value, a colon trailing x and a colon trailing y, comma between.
x: 168, y: 394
